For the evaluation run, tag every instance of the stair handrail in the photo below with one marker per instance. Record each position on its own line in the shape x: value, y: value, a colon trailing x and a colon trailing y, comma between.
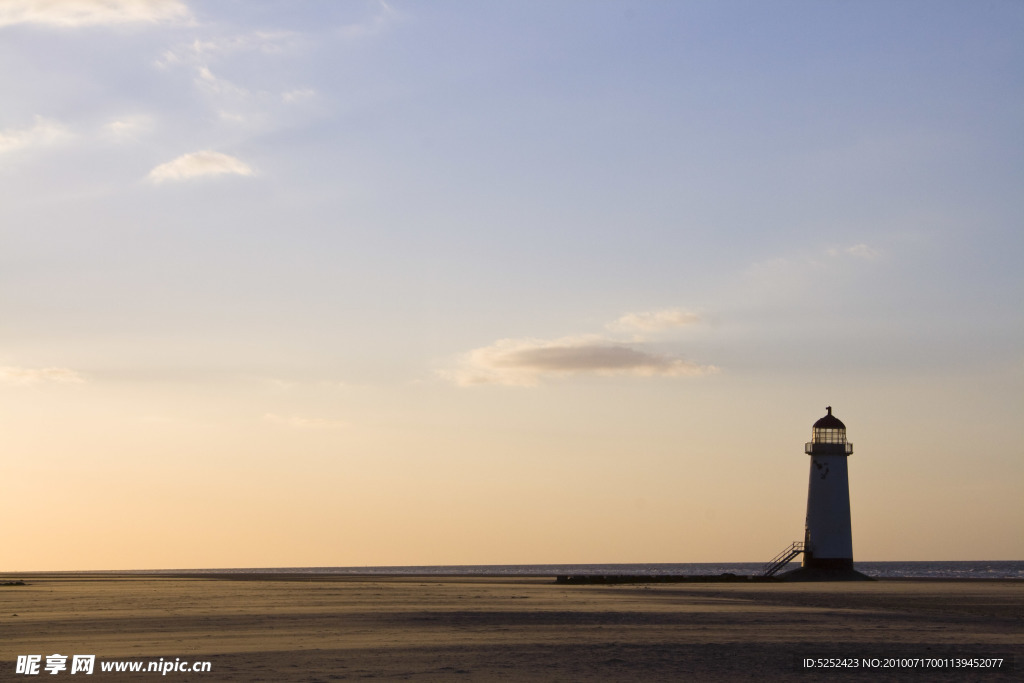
x: 783, y: 558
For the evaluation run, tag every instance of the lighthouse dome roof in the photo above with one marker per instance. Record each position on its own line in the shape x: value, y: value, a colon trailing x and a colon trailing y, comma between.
x: 830, y: 421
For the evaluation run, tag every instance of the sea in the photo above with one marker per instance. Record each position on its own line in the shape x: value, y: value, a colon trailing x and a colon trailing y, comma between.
x: 882, y: 570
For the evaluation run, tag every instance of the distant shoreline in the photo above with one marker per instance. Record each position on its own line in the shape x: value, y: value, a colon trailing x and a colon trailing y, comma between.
x: 231, y: 575
x: 740, y: 572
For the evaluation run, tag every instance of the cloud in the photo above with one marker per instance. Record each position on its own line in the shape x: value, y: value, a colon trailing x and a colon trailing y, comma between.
x: 28, y: 376
x: 863, y: 251
x: 297, y: 95
x: 653, y: 321
x: 206, y: 80
x: 197, y: 164
x: 91, y: 12
x: 42, y: 132
x: 128, y: 128
x: 524, y: 362
x: 857, y: 251
x: 267, y: 42
x: 296, y: 422
x: 793, y: 271
x: 232, y: 102
x: 198, y: 53
x: 380, y: 21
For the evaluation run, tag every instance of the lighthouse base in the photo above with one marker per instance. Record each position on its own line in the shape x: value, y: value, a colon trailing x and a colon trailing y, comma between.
x: 824, y: 574
x: 812, y: 562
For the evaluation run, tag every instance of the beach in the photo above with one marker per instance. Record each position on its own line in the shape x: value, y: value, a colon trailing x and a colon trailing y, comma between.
x: 325, y: 628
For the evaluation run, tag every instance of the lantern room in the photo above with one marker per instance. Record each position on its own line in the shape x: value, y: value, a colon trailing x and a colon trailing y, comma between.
x: 828, y: 434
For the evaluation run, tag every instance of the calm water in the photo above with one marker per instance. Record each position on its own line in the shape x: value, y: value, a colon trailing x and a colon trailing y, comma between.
x: 882, y: 570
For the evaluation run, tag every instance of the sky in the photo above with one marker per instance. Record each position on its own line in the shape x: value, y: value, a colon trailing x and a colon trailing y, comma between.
x: 366, y: 283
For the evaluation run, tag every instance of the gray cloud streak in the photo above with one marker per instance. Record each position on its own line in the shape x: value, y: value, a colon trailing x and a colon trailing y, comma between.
x: 524, y: 362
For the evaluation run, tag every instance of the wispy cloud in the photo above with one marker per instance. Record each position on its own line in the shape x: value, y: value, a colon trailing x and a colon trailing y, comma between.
x: 91, y: 12
x: 857, y: 251
x: 267, y: 42
x: 792, y: 270
x: 654, y: 321
x: 215, y: 85
x: 233, y: 102
x: 128, y: 128
x: 297, y: 95
x: 19, y: 376
x: 42, y: 132
x: 199, y: 164
x: 384, y: 17
x: 525, y: 362
x: 199, y: 53
x: 296, y: 422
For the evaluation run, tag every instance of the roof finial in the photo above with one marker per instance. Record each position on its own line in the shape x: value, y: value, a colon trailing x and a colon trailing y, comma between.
x: 829, y: 409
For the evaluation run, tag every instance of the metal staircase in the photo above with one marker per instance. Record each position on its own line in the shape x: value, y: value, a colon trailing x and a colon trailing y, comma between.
x: 782, y: 559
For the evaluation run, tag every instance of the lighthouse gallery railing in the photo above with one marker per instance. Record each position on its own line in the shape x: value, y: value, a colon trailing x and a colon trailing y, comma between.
x: 809, y: 447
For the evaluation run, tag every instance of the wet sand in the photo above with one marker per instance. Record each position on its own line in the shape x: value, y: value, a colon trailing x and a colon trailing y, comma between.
x: 251, y: 628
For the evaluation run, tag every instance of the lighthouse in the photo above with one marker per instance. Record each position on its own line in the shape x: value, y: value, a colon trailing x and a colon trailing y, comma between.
x: 828, y: 541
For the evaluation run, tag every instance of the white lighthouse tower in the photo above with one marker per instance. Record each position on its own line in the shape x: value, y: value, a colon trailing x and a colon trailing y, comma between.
x: 828, y: 541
